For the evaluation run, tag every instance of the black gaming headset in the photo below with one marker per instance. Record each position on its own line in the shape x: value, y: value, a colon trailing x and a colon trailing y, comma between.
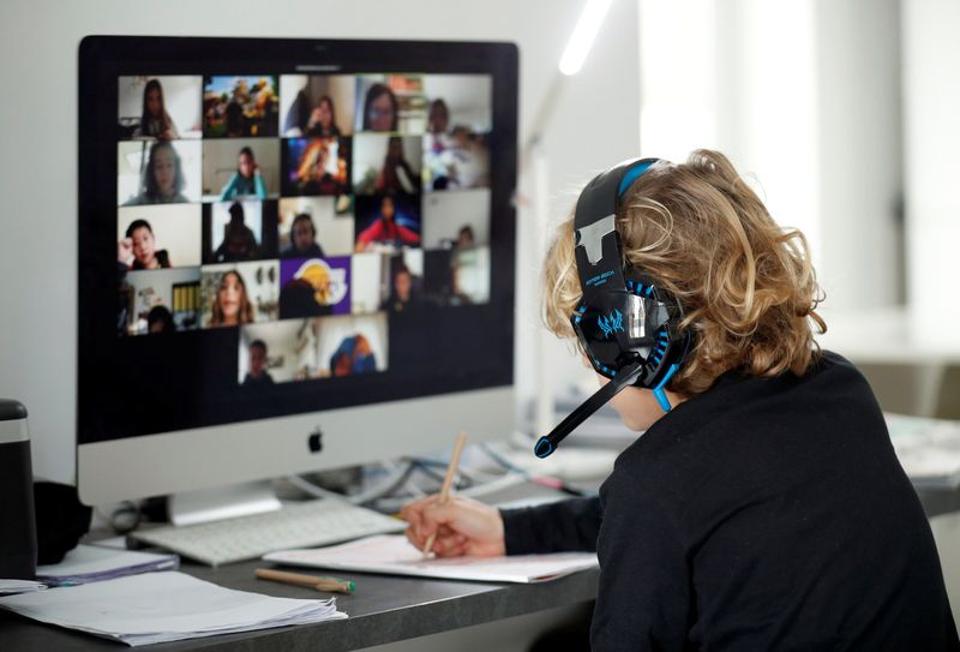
x: 628, y: 327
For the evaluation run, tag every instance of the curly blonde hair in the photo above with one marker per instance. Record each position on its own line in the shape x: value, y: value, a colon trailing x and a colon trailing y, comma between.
x: 747, y: 287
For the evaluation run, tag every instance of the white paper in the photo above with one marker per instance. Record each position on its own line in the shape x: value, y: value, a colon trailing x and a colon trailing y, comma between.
x: 92, y: 560
x: 166, y: 606
x: 394, y: 555
x: 9, y: 587
x: 94, y: 564
x: 928, y: 449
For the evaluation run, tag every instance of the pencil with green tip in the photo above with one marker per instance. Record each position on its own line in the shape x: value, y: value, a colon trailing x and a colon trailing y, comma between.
x: 329, y: 584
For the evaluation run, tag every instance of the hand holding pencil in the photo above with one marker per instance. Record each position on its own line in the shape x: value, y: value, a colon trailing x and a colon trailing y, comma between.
x: 453, y: 526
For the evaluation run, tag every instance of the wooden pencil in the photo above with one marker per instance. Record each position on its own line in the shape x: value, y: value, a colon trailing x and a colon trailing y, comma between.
x: 448, y: 482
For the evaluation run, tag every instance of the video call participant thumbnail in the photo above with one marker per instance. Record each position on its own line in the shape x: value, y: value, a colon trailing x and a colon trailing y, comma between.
x: 234, y: 295
x: 457, y: 162
x: 238, y: 168
x: 239, y: 231
x: 317, y: 105
x: 142, y: 292
x: 309, y: 224
x: 314, y: 287
x: 387, y: 223
x: 159, y: 107
x: 240, y: 106
x: 456, y: 219
x: 458, y: 277
x: 158, y: 237
x: 352, y: 345
x: 458, y: 100
x: 386, y: 164
x: 167, y: 174
x: 316, y: 166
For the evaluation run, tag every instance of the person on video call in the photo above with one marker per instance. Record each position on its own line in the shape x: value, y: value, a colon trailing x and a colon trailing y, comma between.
x: 353, y: 356
x: 766, y: 509
x: 162, y: 179
x: 303, y: 239
x: 258, y: 375
x: 323, y: 119
x: 385, y: 229
x: 302, y: 120
x: 321, y: 171
x: 465, y: 238
x: 160, y: 320
x: 137, y: 250
x: 231, y: 306
x: 155, y: 122
x: 438, y: 117
x: 403, y: 295
x: 380, y: 109
x: 464, y: 163
x: 247, y: 180
x: 396, y: 175
x: 438, y: 142
x: 239, y: 242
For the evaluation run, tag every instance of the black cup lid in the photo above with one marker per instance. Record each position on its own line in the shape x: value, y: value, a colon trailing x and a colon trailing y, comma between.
x: 11, y: 410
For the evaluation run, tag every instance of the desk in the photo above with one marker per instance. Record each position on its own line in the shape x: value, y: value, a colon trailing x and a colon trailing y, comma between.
x: 389, y: 609
x: 383, y: 610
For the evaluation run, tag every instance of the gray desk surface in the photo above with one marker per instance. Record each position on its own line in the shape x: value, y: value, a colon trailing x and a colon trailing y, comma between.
x: 382, y: 610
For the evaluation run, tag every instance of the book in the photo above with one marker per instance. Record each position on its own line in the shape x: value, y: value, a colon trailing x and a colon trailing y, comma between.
x: 392, y: 554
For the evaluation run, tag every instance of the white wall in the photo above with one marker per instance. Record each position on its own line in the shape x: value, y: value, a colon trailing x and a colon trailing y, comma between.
x: 804, y: 97
x: 595, y: 125
x: 931, y: 99
x: 860, y: 155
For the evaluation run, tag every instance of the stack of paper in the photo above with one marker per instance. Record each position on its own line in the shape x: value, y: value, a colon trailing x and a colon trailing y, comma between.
x: 168, y: 606
x: 394, y: 555
x: 9, y: 587
x: 93, y: 564
x: 928, y: 449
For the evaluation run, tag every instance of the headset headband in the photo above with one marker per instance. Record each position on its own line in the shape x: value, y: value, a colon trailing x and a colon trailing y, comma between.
x: 598, y: 253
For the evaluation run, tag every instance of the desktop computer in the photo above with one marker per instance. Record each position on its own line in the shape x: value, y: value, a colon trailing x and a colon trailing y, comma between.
x: 294, y: 255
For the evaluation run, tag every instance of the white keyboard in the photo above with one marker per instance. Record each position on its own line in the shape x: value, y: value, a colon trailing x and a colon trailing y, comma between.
x: 297, y: 525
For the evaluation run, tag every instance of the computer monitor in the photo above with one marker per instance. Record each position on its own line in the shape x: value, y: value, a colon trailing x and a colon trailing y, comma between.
x: 293, y: 255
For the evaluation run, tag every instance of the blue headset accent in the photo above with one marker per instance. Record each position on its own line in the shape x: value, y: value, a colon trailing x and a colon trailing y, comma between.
x: 658, y: 392
x: 632, y: 175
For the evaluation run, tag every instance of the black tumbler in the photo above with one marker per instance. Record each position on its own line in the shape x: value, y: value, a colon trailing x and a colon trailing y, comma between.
x: 18, y: 531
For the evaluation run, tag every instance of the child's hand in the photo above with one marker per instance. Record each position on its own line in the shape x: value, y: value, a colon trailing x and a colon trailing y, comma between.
x: 463, y: 527
x: 125, y: 251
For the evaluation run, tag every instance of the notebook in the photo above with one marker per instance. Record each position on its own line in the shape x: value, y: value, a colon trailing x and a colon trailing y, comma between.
x: 93, y: 564
x: 392, y: 554
x: 167, y: 606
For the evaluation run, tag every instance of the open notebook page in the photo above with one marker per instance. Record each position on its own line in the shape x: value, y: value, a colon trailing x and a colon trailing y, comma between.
x: 394, y: 555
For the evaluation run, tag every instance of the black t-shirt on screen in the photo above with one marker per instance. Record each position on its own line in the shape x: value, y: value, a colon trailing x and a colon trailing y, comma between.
x: 766, y: 513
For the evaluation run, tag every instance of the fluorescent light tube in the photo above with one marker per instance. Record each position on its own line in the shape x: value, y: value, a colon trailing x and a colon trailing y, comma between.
x: 583, y: 36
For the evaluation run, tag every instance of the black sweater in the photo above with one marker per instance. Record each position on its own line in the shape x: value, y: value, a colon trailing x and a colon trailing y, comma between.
x: 765, y: 513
